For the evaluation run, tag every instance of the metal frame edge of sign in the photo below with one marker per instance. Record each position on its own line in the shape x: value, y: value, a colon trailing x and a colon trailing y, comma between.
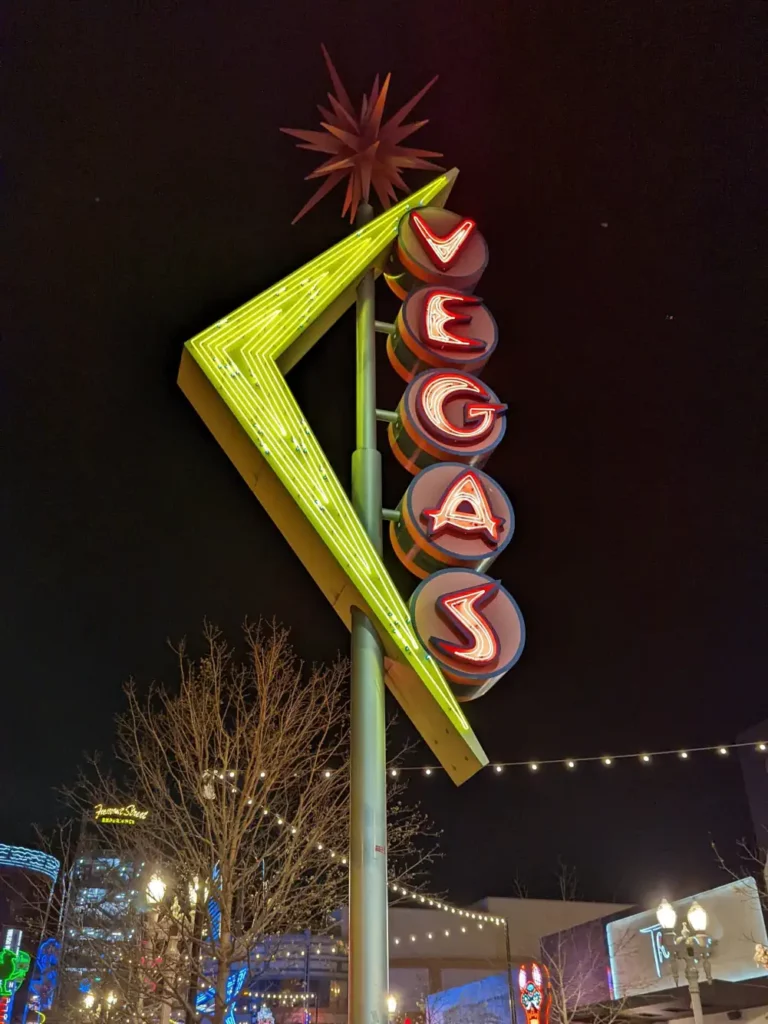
x: 233, y: 374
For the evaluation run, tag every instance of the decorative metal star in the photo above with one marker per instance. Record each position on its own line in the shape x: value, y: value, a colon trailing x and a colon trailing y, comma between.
x: 361, y: 148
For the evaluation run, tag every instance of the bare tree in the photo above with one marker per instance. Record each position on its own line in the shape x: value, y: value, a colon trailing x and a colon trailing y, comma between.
x: 753, y: 864
x: 237, y: 781
x: 575, y: 960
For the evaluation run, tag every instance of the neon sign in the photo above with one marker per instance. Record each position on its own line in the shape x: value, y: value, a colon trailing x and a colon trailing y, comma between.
x: 234, y: 375
x: 127, y: 815
x: 436, y: 392
x: 440, y: 311
x: 451, y: 516
x: 206, y: 1000
x: 465, y: 507
x: 29, y: 860
x: 535, y: 992
x: 471, y: 626
x: 441, y: 328
x: 42, y: 987
x: 463, y: 611
x: 14, y: 964
x: 468, y: 622
x: 443, y: 248
x: 436, y: 246
x: 660, y: 951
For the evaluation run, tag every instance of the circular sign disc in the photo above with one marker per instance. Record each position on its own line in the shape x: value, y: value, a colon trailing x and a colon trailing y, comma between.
x: 471, y: 626
x: 452, y: 515
x: 439, y: 326
x: 444, y: 416
x: 436, y: 246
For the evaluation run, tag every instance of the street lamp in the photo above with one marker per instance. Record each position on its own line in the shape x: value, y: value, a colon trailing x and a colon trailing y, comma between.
x: 391, y: 1005
x: 88, y: 1000
x: 156, y: 889
x: 690, y: 945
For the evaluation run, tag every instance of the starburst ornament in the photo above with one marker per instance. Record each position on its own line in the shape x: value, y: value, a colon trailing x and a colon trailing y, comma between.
x: 361, y: 149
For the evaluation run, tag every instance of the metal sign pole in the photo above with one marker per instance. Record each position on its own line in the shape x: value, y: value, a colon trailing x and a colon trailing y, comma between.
x: 368, y: 944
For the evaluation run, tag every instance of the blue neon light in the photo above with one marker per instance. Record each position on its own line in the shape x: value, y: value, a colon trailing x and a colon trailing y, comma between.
x: 42, y: 987
x: 214, y: 910
x: 30, y: 860
x: 205, y: 1001
x: 660, y: 951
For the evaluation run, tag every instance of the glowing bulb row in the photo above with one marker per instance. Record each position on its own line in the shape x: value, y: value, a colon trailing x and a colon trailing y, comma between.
x: 473, y: 915
x: 497, y: 768
x: 292, y: 998
x: 228, y: 776
x: 445, y: 932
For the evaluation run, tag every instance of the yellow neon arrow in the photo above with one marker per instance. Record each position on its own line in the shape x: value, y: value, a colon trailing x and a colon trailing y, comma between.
x: 233, y: 374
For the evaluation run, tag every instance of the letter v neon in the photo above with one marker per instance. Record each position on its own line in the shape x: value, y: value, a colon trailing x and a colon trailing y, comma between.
x: 233, y: 373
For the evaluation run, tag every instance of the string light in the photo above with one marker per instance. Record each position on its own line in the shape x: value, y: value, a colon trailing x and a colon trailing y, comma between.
x: 645, y: 757
x: 497, y: 768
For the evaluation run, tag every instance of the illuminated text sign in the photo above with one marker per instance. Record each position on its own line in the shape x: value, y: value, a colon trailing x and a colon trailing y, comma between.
x: 127, y: 815
x: 454, y: 519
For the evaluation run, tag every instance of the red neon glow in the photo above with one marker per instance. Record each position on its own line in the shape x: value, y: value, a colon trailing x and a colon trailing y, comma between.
x: 479, y: 420
x: 452, y: 514
x: 535, y: 993
x: 461, y: 609
x: 438, y: 317
x: 443, y: 249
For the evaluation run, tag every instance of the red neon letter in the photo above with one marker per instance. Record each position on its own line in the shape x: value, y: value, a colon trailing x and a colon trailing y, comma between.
x: 461, y: 609
x: 438, y: 317
x: 451, y: 513
x: 479, y: 420
x: 443, y: 249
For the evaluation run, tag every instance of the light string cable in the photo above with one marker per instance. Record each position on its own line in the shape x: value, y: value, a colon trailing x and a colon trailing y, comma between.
x: 606, y: 760
x: 229, y: 778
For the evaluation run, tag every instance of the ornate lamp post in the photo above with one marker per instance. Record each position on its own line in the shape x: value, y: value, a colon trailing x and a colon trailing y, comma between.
x: 690, y: 945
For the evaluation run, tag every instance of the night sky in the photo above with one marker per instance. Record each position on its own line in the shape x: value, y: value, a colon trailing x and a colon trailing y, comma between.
x: 611, y: 154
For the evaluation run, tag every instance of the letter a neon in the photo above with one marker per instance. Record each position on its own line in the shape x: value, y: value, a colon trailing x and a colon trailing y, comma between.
x: 477, y: 521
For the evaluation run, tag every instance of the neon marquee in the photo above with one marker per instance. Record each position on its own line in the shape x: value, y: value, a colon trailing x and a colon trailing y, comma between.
x: 467, y: 621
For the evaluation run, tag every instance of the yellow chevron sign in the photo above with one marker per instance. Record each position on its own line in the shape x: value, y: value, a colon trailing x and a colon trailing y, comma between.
x: 233, y: 373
